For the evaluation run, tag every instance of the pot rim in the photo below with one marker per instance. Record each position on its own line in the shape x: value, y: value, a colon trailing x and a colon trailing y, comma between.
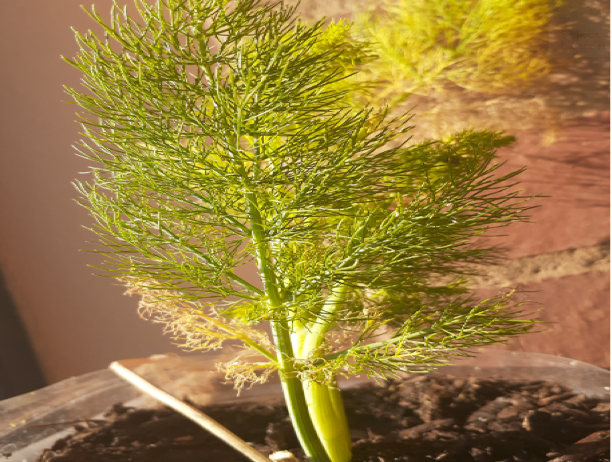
x: 25, y: 420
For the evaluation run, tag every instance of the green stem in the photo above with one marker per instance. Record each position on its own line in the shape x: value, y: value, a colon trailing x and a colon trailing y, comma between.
x: 259, y: 348
x: 292, y: 386
x: 240, y: 336
x: 295, y: 398
x: 324, y: 401
x: 319, y: 327
x: 326, y: 410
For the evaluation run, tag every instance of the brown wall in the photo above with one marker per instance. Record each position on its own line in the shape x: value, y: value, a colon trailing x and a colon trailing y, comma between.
x: 77, y: 322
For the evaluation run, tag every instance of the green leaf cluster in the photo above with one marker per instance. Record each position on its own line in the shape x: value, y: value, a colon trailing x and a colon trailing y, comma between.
x: 221, y: 140
x: 482, y: 45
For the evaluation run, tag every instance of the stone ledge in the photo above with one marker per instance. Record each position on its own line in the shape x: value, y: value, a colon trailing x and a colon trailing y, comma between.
x: 545, y: 266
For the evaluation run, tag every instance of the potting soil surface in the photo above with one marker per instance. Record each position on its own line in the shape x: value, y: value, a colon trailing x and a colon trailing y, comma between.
x: 423, y: 419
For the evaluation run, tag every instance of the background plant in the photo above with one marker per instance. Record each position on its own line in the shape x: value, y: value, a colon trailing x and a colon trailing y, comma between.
x: 221, y: 138
x: 481, y: 45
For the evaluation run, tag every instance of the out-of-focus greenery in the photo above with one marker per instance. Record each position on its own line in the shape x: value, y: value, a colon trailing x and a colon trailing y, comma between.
x: 352, y: 53
x: 481, y: 45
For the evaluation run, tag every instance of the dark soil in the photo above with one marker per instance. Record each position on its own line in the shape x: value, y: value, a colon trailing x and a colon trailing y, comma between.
x: 423, y: 419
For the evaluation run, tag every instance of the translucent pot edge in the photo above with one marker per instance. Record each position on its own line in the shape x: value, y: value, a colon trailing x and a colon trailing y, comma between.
x: 32, y: 421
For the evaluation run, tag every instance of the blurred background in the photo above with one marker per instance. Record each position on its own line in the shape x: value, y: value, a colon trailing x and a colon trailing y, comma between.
x: 57, y: 320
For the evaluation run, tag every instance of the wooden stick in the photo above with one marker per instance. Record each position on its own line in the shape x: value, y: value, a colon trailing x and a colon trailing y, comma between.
x: 188, y: 411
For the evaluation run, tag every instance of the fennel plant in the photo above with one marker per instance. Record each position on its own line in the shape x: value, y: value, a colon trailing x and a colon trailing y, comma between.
x: 221, y: 139
x: 492, y: 46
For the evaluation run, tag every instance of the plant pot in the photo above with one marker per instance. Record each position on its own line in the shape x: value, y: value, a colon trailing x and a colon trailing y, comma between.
x: 32, y: 422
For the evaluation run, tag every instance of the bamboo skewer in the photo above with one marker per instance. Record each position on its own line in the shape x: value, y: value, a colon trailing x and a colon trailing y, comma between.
x: 188, y: 411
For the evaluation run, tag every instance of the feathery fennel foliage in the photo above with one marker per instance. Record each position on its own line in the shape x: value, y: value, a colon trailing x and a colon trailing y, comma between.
x: 481, y: 45
x: 221, y: 139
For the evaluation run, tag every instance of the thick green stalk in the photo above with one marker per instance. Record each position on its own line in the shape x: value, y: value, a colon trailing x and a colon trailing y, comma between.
x: 292, y: 386
x: 319, y: 327
x: 325, y: 403
x: 295, y: 398
x: 326, y: 409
